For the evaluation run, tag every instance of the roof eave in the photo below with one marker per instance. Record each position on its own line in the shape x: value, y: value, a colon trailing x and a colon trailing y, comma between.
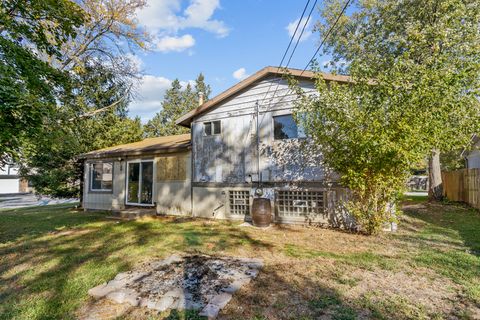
x: 187, y: 118
x: 112, y: 154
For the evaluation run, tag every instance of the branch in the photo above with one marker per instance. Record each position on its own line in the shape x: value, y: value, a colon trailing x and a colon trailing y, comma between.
x: 92, y: 113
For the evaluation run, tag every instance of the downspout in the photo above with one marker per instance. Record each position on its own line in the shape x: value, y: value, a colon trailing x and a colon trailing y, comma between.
x: 191, y: 170
x: 258, y: 147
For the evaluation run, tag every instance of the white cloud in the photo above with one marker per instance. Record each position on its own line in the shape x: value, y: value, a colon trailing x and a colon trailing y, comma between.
x: 167, y: 43
x: 240, y: 74
x: 164, y: 19
x: 150, y: 95
x: 306, y: 33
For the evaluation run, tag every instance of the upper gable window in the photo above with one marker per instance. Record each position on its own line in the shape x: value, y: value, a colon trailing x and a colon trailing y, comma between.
x: 285, y: 127
x: 212, y: 128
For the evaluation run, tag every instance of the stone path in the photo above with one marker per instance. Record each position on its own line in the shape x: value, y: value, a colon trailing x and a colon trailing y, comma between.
x: 196, y: 282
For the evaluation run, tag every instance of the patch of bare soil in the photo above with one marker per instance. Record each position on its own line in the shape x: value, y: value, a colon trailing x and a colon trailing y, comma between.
x: 192, y: 282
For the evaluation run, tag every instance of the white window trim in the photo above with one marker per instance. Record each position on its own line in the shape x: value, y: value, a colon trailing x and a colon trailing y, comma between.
x: 154, y: 174
x: 91, y: 177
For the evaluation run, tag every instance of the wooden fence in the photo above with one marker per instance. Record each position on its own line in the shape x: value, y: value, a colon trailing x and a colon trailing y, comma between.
x: 462, y: 185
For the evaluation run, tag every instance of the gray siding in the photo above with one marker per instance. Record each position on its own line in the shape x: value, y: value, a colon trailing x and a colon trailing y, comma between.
x: 170, y: 197
x: 231, y: 156
x: 113, y: 200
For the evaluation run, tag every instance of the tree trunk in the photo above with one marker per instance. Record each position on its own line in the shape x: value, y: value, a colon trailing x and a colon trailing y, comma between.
x: 435, y: 188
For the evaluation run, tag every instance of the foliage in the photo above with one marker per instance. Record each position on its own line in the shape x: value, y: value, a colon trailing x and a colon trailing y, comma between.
x: 367, y: 141
x: 177, y: 102
x: 28, y: 84
x: 66, y: 82
x: 50, y: 162
x: 415, y: 65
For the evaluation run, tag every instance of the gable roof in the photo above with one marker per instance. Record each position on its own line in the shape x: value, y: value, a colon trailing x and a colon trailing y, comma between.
x: 187, y: 118
x: 156, y: 145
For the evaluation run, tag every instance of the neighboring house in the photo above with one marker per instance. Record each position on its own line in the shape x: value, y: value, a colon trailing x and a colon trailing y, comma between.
x: 217, y: 170
x: 10, y: 181
x: 472, y: 155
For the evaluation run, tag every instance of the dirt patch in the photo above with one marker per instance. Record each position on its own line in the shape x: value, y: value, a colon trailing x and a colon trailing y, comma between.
x: 195, y: 282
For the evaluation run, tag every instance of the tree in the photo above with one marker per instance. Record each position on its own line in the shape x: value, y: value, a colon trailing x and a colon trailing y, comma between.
x: 68, y: 83
x: 427, y: 53
x: 176, y: 103
x: 50, y: 161
x: 366, y: 139
x: 29, y: 85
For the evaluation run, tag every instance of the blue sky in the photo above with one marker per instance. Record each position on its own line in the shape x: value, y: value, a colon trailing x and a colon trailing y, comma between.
x: 225, y: 40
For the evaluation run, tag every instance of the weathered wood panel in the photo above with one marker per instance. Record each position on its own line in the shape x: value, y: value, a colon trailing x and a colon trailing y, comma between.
x: 172, y: 168
x: 462, y: 186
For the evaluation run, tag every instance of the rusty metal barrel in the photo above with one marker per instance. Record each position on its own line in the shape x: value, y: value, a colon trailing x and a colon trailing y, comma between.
x: 261, y: 212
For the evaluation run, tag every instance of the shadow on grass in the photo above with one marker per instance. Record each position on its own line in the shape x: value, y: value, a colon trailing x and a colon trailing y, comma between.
x: 34, y: 221
x: 278, y: 294
x: 449, y: 236
x: 46, y: 275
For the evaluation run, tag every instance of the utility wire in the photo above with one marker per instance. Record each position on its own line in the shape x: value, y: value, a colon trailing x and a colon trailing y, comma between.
x: 326, y: 35
x: 288, y: 48
x: 347, y: 3
x: 279, y: 78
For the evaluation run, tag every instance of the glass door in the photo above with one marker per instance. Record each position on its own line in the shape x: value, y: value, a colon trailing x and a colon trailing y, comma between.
x: 140, y: 183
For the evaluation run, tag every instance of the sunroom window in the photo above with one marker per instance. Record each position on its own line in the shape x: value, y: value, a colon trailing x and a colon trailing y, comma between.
x: 101, y: 176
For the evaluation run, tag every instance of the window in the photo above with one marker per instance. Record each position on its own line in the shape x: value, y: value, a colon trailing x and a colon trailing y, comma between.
x: 285, y: 127
x: 101, y: 176
x: 212, y: 127
x: 299, y: 203
x: 239, y: 202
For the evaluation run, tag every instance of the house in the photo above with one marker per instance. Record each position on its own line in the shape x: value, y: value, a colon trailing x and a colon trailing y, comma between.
x: 217, y: 169
x: 472, y: 154
x: 10, y: 181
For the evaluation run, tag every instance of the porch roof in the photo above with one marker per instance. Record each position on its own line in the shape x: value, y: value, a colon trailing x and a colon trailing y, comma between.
x: 167, y: 144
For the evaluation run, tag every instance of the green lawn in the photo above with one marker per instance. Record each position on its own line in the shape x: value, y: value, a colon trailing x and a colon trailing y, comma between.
x: 50, y: 256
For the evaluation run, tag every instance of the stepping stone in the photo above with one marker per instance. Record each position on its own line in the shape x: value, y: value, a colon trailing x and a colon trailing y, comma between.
x: 221, y: 299
x: 210, y: 311
x: 100, y: 291
x: 163, y: 304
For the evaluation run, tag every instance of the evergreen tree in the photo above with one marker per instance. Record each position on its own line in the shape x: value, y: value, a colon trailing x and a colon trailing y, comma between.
x: 177, y: 102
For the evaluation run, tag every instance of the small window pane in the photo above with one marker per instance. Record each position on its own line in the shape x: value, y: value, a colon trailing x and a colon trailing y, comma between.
x: 101, y: 176
x: 216, y: 127
x: 208, y: 128
x: 107, y: 176
x: 284, y: 127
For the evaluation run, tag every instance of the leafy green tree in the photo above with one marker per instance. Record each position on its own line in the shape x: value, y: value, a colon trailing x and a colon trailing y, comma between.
x: 176, y: 102
x: 65, y: 84
x: 29, y: 85
x: 427, y: 53
x: 415, y: 69
x: 50, y: 162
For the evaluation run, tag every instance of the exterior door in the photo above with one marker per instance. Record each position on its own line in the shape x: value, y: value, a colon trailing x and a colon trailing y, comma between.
x: 140, y: 183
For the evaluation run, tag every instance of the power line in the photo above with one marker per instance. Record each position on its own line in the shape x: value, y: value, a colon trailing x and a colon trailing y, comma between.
x: 295, y: 32
x: 347, y: 3
x: 293, y: 51
x: 326, y: 35
x: 288, y: 47
x: 301, y: 34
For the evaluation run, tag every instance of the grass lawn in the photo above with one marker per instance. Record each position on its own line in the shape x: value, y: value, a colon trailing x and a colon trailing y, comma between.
x: 50, y: 256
